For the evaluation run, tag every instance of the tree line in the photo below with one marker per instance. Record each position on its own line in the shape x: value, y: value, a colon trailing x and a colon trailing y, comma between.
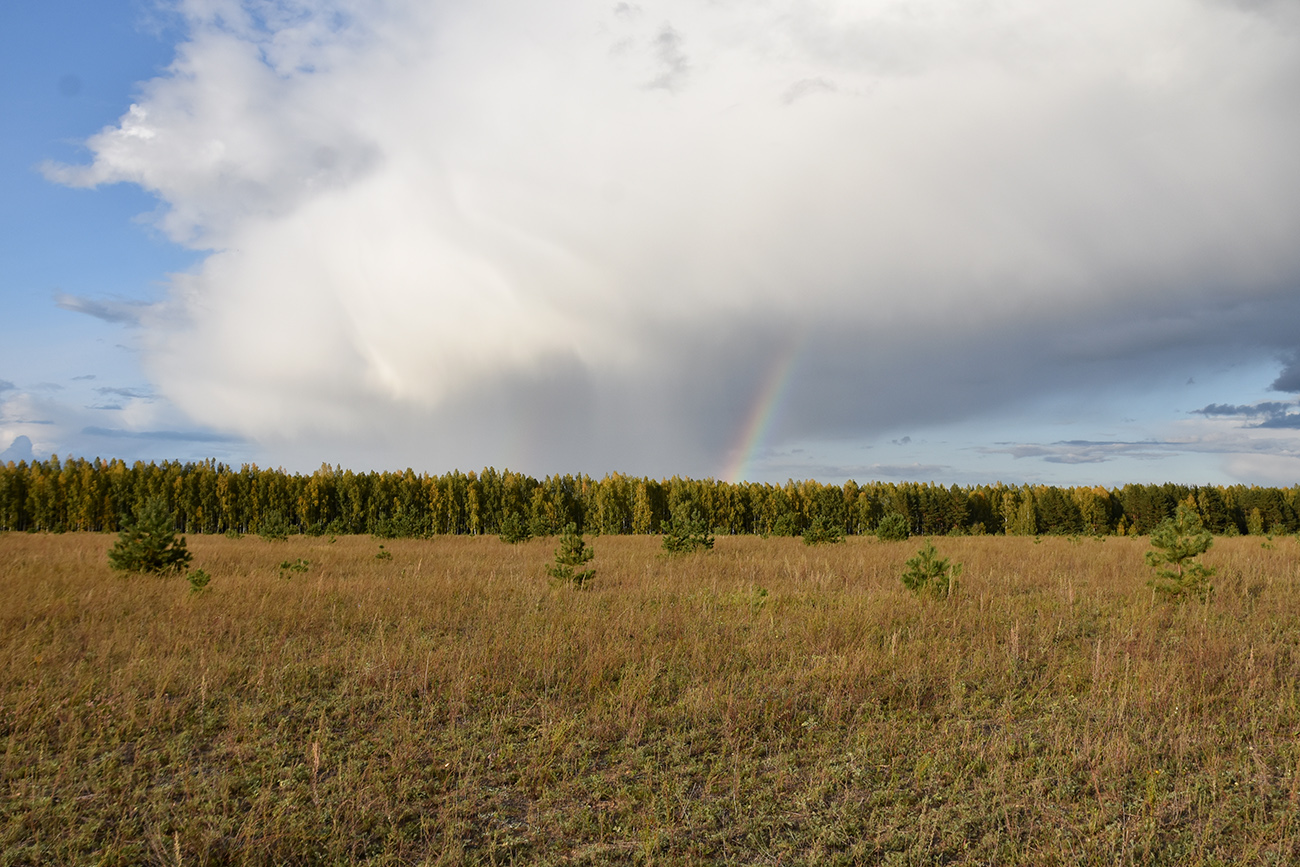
x: 210, y: 497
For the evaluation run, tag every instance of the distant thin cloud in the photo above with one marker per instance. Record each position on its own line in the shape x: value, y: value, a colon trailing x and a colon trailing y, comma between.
x: 176, y: 436
x: 118, y: 312
x: 1085, y: 451
x: 914, y: 471
x: 136, y: 393
x: 807, y: 86
x: 1271, y: 413
x: 673, y: 63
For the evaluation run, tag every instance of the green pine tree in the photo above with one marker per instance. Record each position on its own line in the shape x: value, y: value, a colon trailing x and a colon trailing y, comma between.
x: 821, y: 532
x: 149, y: 543
x: 572, y: 553
x: 513, y: 529
x: 893, y: 528
x: 1178, y: 541
x: 686, y: 532
x: 928, y: 571
x: 274, y: 527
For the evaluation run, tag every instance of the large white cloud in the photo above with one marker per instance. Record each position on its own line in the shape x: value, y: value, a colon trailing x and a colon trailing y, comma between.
x: 502, y: 231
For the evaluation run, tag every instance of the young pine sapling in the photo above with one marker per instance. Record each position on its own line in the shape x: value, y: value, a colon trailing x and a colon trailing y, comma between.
x: 927, y: 571
x: 149, y: 542
x: 572, y: 554
x: 1178, y: 541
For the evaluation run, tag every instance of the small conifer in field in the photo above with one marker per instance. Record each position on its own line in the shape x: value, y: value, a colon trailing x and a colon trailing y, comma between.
x: 1178, y: 541
x: 927, y: 571
x: 514, y: 529
x: 199, y: 580
x: 686, y: 532
x: 149, y: 542
x: 893, y: 528
x: 572, y: 554
x: 274, y: 527
x: 820, y: 532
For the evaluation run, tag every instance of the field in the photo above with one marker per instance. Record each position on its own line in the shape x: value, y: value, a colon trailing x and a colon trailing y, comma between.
x: 764, y: 703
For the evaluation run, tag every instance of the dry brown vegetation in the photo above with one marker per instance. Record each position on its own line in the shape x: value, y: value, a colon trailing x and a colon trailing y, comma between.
x: 764, y: 703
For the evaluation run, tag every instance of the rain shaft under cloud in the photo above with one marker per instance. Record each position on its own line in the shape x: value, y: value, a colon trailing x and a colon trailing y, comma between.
x: 578, y: 234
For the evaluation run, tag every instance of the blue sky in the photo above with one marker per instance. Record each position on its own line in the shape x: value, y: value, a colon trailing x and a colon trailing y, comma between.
x: 66, y: 70
x: 775, y: 241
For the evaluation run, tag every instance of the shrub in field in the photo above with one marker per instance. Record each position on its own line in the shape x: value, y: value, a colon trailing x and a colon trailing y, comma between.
x: 821, y: 533
x: 274, y: 527
x: 893, y: 528
x: 572, y: 554
x: 513, y: 529
x: 684, y: 532
x: 149, y: 543
x: 199, y: 579
x: 403, y: 525
x: 1178, y: 541
x: 927, y: 571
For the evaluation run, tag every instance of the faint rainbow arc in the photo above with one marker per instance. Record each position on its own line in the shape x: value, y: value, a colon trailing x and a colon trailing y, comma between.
x: 763, y: 412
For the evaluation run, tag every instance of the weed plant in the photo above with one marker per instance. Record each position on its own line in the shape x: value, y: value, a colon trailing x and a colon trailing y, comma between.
x: 769, y: 704
x: 288, y: 568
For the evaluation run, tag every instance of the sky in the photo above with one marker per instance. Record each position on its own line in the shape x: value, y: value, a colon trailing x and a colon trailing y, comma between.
x: 927, y: 240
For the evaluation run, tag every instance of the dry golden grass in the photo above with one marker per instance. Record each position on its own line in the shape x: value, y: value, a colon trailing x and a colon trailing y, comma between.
x: 765, y: 703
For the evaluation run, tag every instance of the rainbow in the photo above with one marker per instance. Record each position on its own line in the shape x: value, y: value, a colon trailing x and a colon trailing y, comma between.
x: 763, y: 413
